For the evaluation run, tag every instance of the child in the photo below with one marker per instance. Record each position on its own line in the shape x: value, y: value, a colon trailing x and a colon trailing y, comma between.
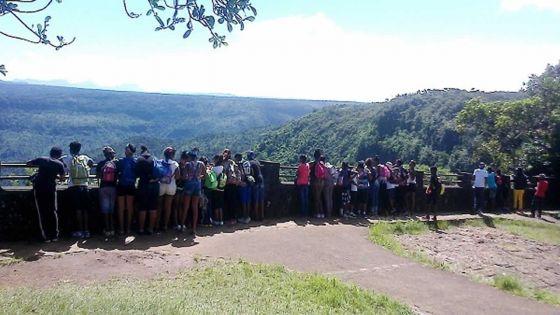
x: 540, y: 193
x: 432, y: 193
x: 343, y: 182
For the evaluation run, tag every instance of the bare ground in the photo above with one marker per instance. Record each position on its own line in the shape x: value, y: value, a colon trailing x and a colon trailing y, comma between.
x: 339, y: 249
x: 483, y: 253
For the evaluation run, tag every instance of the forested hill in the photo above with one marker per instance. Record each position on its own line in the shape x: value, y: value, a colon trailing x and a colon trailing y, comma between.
x: 35, y: 117
x: 417, y: 126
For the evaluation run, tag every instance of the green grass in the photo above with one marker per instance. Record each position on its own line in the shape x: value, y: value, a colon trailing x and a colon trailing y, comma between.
x: 513, y: 285
x: 538, y: 231
x: 8, y: 260
x: 381, y: 233
x: 226, y: 288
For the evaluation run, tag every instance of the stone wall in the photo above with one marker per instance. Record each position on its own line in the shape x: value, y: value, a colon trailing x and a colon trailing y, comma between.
x: 18, y: 215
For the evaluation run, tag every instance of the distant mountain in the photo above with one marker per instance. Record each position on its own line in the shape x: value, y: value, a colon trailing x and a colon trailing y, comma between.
x: 36, y: 117
x: 417, y: 126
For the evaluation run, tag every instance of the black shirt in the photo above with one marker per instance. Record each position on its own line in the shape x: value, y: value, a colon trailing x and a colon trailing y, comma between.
x: 145, y: 168
x: 49, y: 169
x: 256, y: 170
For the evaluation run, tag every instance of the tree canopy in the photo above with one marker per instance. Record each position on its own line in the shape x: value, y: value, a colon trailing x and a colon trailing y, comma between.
x: 519, y: 133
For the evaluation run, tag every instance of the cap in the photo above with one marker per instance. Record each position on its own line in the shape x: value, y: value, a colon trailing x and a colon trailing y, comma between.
x: 251, y: 154
x: 169, y: 150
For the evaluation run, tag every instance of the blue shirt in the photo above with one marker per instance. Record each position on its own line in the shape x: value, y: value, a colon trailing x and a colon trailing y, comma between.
x: 491, y: 180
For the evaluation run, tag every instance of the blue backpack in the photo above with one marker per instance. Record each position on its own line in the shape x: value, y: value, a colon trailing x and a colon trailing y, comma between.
x: 160, y: 169
x: 126, y: 169
x: 167, y: 177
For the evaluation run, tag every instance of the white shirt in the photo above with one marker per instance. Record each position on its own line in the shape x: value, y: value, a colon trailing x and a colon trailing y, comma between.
x: 479, y: 176
x: 218, y: 169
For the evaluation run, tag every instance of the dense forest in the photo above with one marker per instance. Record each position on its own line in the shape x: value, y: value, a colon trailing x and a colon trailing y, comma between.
x: 418, y: 126
x: 451, y: 128
x: 36, y: 117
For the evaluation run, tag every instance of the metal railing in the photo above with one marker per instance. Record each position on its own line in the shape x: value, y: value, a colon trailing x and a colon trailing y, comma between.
x: 18, y: 179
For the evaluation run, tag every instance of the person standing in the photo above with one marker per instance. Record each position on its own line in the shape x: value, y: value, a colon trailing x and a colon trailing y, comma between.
x: 44, y: 192
x: 78, y: 167
x: 167, y: 186
x: 258, y: 189
x: 316, y: 178
x: 302, y: 183
x: 106, y: 172
x: 126, y: 188
x: 330, y: 177
x: 432, y: 194
x: 538, y: 198
x: 492, y: 183
x: 147, y: 194
x: 519, y: 186
x: 411, y: 188
x: 504, y: 186
x: 192, y: 172
x: 480, y: 178
x: 231, y: 194
x: 244, y: 187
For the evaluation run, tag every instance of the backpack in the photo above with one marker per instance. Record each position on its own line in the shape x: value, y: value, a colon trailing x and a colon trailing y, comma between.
x: 79, y: 170
x: 222, y: 180
x: 159, y: 169
x: 211, y: 180
x: 320, y: 171
x: 127, y: 175
x: 167, y: 177
x: 108, y: 172
x: 385, y: 172
x: 191, y: 171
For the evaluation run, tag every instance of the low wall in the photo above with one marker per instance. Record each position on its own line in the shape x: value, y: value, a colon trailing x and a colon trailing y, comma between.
x: 18, y: 215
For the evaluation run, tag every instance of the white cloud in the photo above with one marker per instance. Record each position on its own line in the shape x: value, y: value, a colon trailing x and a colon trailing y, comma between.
x: 300, y: 57
x: 516, y: 5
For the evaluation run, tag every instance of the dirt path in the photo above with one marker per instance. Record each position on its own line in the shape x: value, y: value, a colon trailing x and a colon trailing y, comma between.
x: 340, y: 250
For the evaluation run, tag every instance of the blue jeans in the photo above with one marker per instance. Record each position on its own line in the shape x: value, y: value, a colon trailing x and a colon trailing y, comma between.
x: 303, y: 192
x: 374, y: 189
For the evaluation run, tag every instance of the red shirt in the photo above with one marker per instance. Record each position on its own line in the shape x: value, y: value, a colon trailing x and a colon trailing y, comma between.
x: 303, y: 174
x: 542, y: 187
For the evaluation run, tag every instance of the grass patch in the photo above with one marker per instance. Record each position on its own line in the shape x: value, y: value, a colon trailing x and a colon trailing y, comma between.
x: 226, y: 288
x: 514, y: 286
x: 7, y: 260
x: 381, y: 233
x: 538, y: 231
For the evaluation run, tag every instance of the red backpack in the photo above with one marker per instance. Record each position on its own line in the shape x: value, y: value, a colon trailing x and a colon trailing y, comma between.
x: 109, y: 172
x: 320, y: 170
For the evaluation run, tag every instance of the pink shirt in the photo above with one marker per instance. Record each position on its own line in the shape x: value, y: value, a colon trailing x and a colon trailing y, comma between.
x: 542, y: 187
x: 303, y: 174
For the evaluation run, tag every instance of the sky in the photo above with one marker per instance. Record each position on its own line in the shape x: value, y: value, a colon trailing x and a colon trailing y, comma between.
x: 354, y: 50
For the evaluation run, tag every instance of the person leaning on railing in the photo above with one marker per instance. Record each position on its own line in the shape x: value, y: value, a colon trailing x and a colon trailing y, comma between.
x: 44, y: 192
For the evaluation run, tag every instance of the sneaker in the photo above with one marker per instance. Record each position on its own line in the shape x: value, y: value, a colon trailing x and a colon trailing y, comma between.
x: 248, y: 220
x: 183, y: 228
x: 107, y: 233
x: 221, y: 223
x: 46, y: 241
x: 78, y: 234
x: 86, y: 234
x: 178, y: 227
x: 54, y: 240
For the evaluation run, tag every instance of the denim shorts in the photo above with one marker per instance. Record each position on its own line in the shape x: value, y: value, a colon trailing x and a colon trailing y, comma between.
x: 107, y: 196
x: 192, y: 188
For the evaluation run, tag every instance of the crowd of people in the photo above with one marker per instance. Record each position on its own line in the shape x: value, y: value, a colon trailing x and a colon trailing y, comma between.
x: 372, y: 186
x: 168, y: 193
x: 224, y: 188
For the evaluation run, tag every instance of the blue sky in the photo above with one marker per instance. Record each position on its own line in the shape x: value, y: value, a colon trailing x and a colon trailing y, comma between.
x: 362, y: 50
